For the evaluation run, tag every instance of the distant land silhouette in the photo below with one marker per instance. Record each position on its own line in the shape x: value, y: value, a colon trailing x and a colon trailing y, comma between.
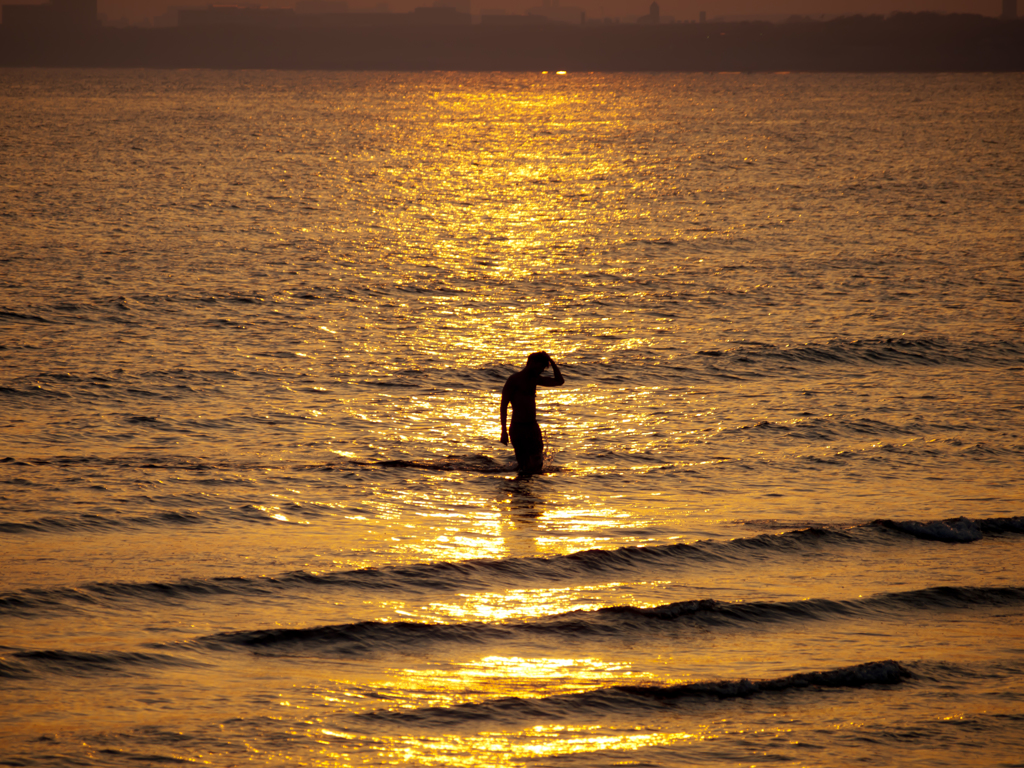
x: 443, y: 39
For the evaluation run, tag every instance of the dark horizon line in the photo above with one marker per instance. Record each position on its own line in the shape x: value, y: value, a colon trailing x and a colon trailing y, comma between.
x: 429, y: 17
x: 909, y: 42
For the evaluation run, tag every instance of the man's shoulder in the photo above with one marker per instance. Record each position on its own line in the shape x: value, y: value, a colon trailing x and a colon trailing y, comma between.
x: 518, y: 379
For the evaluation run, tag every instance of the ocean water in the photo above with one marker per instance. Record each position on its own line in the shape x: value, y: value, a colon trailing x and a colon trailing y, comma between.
x: 253, y: 506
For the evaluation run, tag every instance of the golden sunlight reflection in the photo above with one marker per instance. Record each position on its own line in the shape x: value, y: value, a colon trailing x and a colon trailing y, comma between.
x: 491, y: 749
x: 495, y: 749
x: 516, y: 604
x: 507, y: 191
x: 458, y: 333
x: 490, y: 677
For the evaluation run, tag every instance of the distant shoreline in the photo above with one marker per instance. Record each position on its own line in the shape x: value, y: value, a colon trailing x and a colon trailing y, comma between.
x: 898, y: 43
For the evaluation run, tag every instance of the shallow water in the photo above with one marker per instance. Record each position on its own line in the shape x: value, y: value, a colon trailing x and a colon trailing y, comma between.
x: 253, y: 507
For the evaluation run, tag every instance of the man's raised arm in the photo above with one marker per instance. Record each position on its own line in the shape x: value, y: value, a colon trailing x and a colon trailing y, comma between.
x: 556, y: 380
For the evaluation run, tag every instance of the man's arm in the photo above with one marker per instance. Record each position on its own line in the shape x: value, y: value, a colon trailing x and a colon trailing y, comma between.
x: 556, y: 380
x: 504, y: 413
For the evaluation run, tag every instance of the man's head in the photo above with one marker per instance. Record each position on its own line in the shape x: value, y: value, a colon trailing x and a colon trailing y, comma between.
x: 537, y: 362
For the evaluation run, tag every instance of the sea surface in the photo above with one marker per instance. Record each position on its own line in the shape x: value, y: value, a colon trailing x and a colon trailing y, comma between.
x: 253, y: 506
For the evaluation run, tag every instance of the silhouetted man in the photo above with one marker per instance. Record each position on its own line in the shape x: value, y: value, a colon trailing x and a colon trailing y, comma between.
x: 521, y: 390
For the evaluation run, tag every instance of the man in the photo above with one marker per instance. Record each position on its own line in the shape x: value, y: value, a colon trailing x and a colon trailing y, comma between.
x: 521, y: 391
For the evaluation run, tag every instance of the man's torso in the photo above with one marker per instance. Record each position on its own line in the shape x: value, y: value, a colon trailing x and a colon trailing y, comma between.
x: 522, y: 395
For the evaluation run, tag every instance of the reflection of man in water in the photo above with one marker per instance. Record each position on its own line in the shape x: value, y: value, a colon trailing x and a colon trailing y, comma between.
x: 521, y: 391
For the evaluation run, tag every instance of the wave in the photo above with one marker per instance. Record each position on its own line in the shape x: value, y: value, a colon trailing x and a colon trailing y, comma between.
x: 33, y: 391
x: 80, y: 310
x: 478, y: 463
x: 126, y: 389
x: 175, y: 463
x: 10, y: 314
x: 741, y: 360
x: 468, y: 575
x: 91, y: 522
x: 960, y: 530
x: 633, y: 700
x: 585, y: 566
x: 367, y: 638
x: 880, y: 351
x: 821, y: 428
x: 29, y: 664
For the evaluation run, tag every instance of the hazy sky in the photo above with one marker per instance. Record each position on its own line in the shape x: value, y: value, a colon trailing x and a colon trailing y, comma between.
x: 137, y: 10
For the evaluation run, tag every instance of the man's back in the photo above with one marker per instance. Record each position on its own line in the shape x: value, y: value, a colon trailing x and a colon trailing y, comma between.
x: 520, y: 391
